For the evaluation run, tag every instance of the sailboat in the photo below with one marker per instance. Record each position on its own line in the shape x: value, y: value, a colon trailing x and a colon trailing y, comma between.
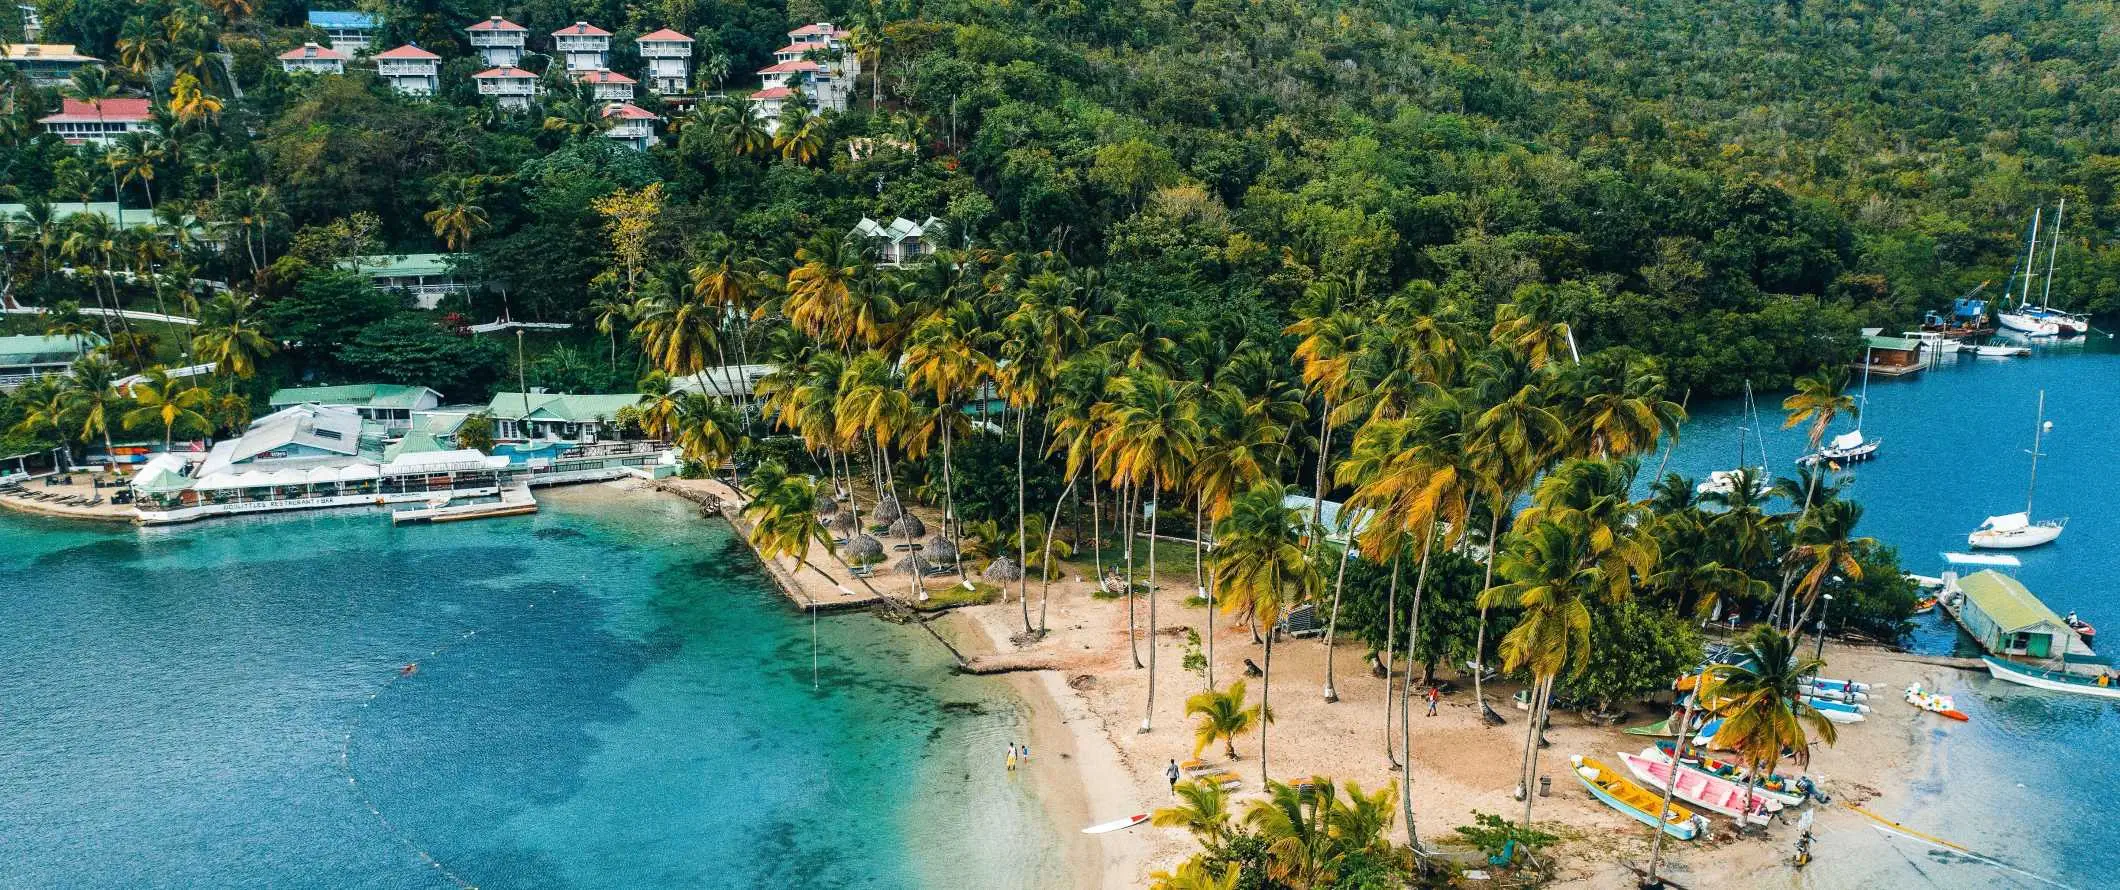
x: 2015, y: 531
x: 1849, y: 447
x: 1724, y: 482
x: 2042, y: 320
x: 2066, y: 324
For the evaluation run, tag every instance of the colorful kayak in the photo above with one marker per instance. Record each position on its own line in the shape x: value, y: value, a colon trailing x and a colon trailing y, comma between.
x: 1637, y: 802
x: 1934, y: 702
x: 1712, y: 793
x: 1782, y: 788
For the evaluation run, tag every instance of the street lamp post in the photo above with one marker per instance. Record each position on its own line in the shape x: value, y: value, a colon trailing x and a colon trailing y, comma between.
x: 1828, y: 607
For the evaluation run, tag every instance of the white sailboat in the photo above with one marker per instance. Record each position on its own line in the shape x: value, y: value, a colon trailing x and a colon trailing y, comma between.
x: 2016, y: 531
x: 1724, y: 482
x: 2066, y: 324
x: 1850, y: 447
x: 2020, y: 320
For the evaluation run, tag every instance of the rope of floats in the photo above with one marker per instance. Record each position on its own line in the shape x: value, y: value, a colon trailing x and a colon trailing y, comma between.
x: 346, y: 764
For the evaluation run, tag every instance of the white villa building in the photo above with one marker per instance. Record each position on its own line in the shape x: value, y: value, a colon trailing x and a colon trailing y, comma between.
x: 46, y: 64
x: 100, y: 122
x: 668, y: 55
x: 27, y: 357
x: 825, y: 82
x: 348, y: 32
x: 313, y: 59
x: 410, y: 70
x: 606, y: 85
x: 427, y: 277
x: 900, y: 241
x: 388, y: 405
x: 499, y: 42
x: 584, y: 46
x: 512, y: 87
x: 631, y: 125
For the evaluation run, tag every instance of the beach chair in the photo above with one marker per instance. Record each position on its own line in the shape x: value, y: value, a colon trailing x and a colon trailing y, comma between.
x: 860, y: 571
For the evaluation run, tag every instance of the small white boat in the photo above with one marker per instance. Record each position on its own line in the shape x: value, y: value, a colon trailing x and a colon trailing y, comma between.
x: 1925, y: 582
x: 1846, y: 448
x: 1724, y: 482
x: 2001, y: 350
x: 1842, y: 695
x: 1837, y: 685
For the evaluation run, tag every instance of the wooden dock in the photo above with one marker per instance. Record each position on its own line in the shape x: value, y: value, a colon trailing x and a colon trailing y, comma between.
x: 514, y: 501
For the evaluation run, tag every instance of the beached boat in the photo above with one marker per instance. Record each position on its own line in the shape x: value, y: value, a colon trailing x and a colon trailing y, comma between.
x: 1637, y: 802
x: 1838, y: 712
x: 1790, y: 791
x: 1830, y: 683
x: 2052, y: 681
x: 1659, y: 728
x: 1711, y: 793
x: 1841, y: 695
x: 1934, y: 702
x: 2015, y: 531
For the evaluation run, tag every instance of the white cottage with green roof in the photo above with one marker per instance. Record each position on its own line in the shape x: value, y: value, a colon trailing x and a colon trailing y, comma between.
x: 388, y: 404
x: 427, y: 276
x: 28, y: 357
x: 558, y: 416
x: 2007, y: 620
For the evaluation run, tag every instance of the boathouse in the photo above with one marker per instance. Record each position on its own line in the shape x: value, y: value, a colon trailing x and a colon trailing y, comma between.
x: 2007, y: 620
x: 1892, y: 356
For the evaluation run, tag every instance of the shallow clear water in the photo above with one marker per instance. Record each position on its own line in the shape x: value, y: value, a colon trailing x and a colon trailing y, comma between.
x: 2029, y: 780
x: 608, y: 694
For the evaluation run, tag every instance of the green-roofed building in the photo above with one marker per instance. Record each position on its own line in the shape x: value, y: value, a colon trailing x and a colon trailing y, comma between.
x: 427, y: 276
x: 30, y: 356
x: 1892, y: 356
x: 2007, y: 619
x: 561, y: 416
x: 388, y: 405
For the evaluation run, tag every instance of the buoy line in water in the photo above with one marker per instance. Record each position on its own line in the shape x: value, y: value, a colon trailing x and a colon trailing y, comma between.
x: 346, y: 763
x: 1890, y: 828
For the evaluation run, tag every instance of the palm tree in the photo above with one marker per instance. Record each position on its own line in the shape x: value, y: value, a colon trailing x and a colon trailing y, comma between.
x: 134, y: 160
x: 1203, y: 809
x: 46, y: 406
x: 457, y: 216
x: 1551, y: 570
x: 784, y: 517
x: 1196, y: 874
x: 1242, y: 443
x: 190, y: 102
x: 228, y: 338
x: 1825, y: 544
x: 1511, y: 442
x: 677, y: 335
x: 611, y: 312
x: 820, y: 289
x: 1259, y: 563
x: 1077, y: 389
x: 93, y: 84
x: 1327, y: 353
x: 576, y: 116
x: 800, y: 137
x: 91, y: 398
x: 740, y: 128
x: 1151, y: 433
x: 1223, y: 716
x: 946, y: 356
x: 165, y: 402
x: 1761, y: 700
x: 1818, y: 399
x: 1310, y: 831
x: 708, y: 430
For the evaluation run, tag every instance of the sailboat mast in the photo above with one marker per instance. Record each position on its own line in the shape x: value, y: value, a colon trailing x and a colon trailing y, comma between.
x: 2046, y: 293
x: 2031, y: 260
x: 1862, y: 403
x: 2038, y: 428
x: 1744, y: 428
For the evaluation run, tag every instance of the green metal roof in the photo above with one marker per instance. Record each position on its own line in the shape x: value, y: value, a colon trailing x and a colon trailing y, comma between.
x: 402, y: 265
x: 369, y: 395
x: 416, y: 442
x: 1899, y: 343
x: 2006, y: 602
x: 560, y: 407
x: 38, y: 349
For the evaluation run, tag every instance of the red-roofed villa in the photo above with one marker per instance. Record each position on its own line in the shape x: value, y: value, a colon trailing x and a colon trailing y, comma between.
x: 410, y: 70
x: 669, y: 58
x: 584, y: 46
x: 499, y: 42
x: 100, y: 122
x: 313, y: 59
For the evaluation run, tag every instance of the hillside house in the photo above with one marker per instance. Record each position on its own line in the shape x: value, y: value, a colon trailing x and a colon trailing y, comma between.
x: 100, y: 121
x: 426, y: 276
x: 607, y: 86
x: 584, y: 46
x: 310, y: 58
x: 631, y: 125
x: 388, y: 405
x: 669, y: 58
x: 557, y: 416
x: 26, y: 358
x: 901, y: 241
x: 46, y: 64
x: 499, y: 42
x: 512, y: 88
x: 347, y: 31
x: 410, y: 70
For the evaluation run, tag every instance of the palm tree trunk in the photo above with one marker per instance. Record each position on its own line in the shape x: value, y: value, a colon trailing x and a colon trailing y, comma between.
x: 1317, y: 491
x: 1155, y: 488
x: 1479, y: 644
x: 1127, y: 496
x: 1390, y: 657
x: 1200, y: 579
x: 1045, y: 563
x: 1406, y: 730
x: 1023, y: 572
x: 949, y: 492
x: 1096, y: 530
x: 1543, y: 688
x: 1265, y: 696
x: 1332, y: 622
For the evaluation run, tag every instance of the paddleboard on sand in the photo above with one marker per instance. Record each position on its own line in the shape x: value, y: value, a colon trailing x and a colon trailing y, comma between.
x: 1116, y: 824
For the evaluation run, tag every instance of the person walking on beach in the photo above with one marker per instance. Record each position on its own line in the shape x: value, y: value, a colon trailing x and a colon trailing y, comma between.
x: 1172, y: 773
x: 1433, y: 697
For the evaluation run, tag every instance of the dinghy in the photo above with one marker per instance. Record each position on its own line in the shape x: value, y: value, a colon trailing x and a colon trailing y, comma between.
x: 1635, y: 801
x: 1711, y: 793
x: 1782, y: 788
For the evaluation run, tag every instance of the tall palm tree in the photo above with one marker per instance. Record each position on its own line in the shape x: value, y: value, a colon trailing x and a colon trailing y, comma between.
x: 820, y: 290
x: 708, y: 430
x: 679, y: 336
x: 1223, y: 716
x: 800, y: 137
x: 1327, y: 353
x: 1819, y: 398
x: 611, y: 312
x: 1511, y: 442
x: 1242, y: 443
x: 94, y: 85
x: 1077, y: 389
x: 457, y: 216
x: 946, y: 355
x: 1761, y: 700
x: 741, y: 128
x: 1259, y: 565
x: 134, y: 161
x: 1825, y: 544
x: 168, y: 403
x: 228, y: 337
x: 784, y: 517
x: 1151, y: 433
x: 191, y: 103
x: 91, y: 398
x: 47, y: 406
x: 1552, y: 571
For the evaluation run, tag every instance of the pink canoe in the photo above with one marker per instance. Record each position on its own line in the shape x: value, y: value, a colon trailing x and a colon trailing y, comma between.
x: 1711, y: 793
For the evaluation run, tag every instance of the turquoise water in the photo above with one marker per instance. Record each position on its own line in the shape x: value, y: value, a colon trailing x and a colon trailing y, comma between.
x: 607, y: 694
x: 2030, y: 779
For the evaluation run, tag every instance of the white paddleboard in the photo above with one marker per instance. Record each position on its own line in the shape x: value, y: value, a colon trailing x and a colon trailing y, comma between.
x: 1116, y: 824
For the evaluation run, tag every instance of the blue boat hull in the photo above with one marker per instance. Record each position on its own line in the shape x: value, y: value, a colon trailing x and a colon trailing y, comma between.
x: 1684, y: 831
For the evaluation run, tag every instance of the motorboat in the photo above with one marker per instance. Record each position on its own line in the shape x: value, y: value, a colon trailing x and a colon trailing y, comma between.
x: 2052, y: 681
x: 1724, y: 482
x: 1846, y: 448
x: 2000, y: 349
x: 2082, y: 628
x: 1712, y: 793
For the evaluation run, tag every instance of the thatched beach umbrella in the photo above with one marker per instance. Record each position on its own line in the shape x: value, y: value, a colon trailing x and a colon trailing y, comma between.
x: 940, y: 549
x: 826, y: 504
x: 913, y: 565
x: 863, y: 549
x: 1003, y: 569
x: 887, y: 510
x: 843, y: 524
x: 908, y: 526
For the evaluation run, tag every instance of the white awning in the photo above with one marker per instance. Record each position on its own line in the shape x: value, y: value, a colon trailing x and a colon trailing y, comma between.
x: 288, y: 477
x: 1849, y: 440
x: 360, y: 473
x: 2007, y: 522
x: 323, y: 476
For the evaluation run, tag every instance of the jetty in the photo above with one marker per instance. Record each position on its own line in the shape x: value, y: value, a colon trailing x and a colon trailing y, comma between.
x: 514, y: 500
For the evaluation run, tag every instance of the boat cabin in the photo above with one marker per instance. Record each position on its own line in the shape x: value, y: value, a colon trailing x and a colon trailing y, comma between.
x: 1892, y: 356
x: 2007, y: 620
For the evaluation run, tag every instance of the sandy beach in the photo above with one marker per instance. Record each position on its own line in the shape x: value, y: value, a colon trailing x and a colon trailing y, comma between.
x: 1088, y: 703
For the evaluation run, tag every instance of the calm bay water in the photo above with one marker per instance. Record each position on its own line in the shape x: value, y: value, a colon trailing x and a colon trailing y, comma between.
x: 2029, y: 779
x: 608, y: 694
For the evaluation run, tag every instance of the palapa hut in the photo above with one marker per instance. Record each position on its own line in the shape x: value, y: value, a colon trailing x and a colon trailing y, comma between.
x: 826, y: 504
x: 863, y: 549
x: 913, y: 565
x: 887, y: 510
x: 909, y: 527
x: 1003, y: 569
x: 843, y: 524
x: 940, y: 549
